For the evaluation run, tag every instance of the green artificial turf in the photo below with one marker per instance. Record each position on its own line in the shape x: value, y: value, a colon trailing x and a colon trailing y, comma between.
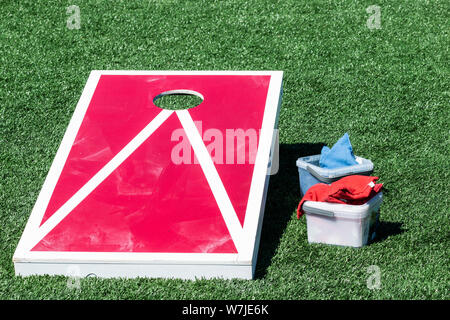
x: 388, y: 88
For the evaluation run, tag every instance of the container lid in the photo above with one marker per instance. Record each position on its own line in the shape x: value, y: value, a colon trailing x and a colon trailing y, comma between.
x: 364, y: 167
x: 342, y: 210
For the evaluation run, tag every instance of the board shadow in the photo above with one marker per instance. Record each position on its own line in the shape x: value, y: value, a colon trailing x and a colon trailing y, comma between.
x: 283, y: 197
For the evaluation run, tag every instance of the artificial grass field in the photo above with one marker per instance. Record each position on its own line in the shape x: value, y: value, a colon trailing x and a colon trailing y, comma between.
x: 388, y: 88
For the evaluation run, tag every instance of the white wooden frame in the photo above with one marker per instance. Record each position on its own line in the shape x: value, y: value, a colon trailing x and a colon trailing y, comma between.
x: 167, y: 265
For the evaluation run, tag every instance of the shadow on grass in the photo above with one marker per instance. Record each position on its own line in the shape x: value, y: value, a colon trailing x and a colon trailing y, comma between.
x: 282, y: 199
x: 387, y: 229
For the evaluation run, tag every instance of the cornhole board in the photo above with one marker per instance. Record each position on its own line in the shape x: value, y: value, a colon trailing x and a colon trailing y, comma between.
x: 116, y: 204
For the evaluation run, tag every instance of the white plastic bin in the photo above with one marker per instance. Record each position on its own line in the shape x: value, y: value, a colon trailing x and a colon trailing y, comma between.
x: 342, y: 224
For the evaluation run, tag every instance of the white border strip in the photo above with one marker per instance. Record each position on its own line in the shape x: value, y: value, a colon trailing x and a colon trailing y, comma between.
x: 58, y: 163
x: 260, y: 177
x: 187, y: 73
x: 98, y: 178
x: 128, y: 257
x: 191, y: 271
x: 213, y: 178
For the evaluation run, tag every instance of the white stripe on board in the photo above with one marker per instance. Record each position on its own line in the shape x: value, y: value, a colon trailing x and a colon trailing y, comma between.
x: 58, y: 163
x: 98, y: 178
x: 63, y: 151
x: 213, y: 178
x: 259, y: 178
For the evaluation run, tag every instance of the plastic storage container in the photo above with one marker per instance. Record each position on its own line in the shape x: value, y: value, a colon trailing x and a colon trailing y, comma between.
x: 310, y: 173
x: 342, y: 224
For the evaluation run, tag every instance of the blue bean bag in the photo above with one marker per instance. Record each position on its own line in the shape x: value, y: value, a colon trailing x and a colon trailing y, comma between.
x: 340, y: 155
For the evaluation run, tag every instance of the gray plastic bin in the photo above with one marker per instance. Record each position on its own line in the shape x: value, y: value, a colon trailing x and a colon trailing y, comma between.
x: 310, y: 173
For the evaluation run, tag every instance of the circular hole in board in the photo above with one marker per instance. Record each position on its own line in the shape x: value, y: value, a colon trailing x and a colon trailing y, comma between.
x: 181, y: 99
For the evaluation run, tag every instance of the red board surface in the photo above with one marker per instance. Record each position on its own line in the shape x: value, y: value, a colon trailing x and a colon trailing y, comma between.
x: 149, y: 203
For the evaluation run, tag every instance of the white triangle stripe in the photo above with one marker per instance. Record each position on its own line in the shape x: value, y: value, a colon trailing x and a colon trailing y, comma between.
x: 213, y: 178
x: 98, y: 178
